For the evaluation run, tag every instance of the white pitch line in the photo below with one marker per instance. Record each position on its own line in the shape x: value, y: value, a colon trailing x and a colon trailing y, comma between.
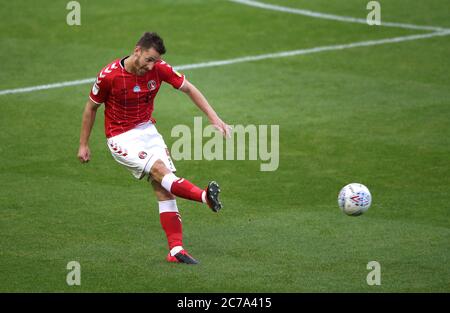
x: 347, y: 19
x: 312, y: 50
x: 247, y: 59
x: 48, y: 86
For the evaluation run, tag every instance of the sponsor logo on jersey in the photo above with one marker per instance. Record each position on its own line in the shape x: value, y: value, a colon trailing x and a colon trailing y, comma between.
x: 151, y: 85
x: 142, y: 155
x: 136, y: 88
x: 95, y: 89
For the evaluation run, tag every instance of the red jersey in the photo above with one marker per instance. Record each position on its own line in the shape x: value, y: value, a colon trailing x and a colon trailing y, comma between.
x: 129, y: 98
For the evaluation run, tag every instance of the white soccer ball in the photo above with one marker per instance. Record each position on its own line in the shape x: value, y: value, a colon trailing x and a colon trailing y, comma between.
x: 354, y: 199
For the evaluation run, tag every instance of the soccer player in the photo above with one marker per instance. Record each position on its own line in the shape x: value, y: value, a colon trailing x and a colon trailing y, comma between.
x: 128, y: 87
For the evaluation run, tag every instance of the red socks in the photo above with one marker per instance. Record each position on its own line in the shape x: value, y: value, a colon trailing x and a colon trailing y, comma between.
x: 187, y: 190
x: 171, y: 223
x: 183, y: 188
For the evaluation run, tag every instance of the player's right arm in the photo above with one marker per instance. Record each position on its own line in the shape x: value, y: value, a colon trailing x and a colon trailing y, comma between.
x: 99, y: 94
x: 89, y: 113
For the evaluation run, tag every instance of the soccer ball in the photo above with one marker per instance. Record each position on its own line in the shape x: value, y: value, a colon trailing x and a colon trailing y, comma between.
x: 354, y: 199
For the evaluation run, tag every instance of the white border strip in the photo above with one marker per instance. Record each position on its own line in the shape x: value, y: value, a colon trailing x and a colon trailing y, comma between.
x: 248, y: 59
x: 347, y: 19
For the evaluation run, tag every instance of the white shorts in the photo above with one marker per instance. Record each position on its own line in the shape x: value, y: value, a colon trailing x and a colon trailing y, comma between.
x: 139, y: 148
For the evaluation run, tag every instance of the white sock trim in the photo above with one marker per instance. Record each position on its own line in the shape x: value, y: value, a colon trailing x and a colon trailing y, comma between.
x: 204, y: 196
x: 175, y: 250
x: 168, y: 180
x: 167, y: 206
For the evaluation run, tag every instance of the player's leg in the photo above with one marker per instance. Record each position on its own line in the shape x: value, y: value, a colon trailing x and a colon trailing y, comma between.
x: 171, y: 223
x: 183, y: 188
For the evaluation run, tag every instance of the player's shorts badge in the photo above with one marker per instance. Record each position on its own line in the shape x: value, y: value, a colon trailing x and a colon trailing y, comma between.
x: 142, y: 155
x: 151, y: 85
x: 136, y: 88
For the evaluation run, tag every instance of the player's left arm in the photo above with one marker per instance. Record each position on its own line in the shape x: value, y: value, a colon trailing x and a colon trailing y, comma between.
x: 199, y: 99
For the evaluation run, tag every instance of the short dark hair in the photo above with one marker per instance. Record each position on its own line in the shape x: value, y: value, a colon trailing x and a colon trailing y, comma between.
x: 152, y: 40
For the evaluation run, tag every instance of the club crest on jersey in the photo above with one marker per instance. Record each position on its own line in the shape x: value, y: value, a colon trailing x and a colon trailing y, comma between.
x: 151, y: 85
x: 142, y: 155
x: 136, y: 88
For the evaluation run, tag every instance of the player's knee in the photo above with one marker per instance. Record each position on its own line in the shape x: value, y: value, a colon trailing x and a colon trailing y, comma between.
x: 159, y: 170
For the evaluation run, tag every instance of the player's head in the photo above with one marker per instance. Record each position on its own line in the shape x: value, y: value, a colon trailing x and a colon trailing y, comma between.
x: 147, y: 52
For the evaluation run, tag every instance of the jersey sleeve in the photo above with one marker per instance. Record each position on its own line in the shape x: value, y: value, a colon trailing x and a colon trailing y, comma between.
x: 169, y: 75
x: 100, y: 89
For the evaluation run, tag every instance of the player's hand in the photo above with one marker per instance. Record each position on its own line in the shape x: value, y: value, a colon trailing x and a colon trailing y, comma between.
x: 84, y: 154
x: 221, y: 126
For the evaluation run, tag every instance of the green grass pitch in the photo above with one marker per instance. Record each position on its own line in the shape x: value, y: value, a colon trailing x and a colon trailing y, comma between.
x: 379, y: 115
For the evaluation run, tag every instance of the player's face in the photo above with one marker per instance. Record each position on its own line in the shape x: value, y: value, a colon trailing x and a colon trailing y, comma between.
x: 145, y: 60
